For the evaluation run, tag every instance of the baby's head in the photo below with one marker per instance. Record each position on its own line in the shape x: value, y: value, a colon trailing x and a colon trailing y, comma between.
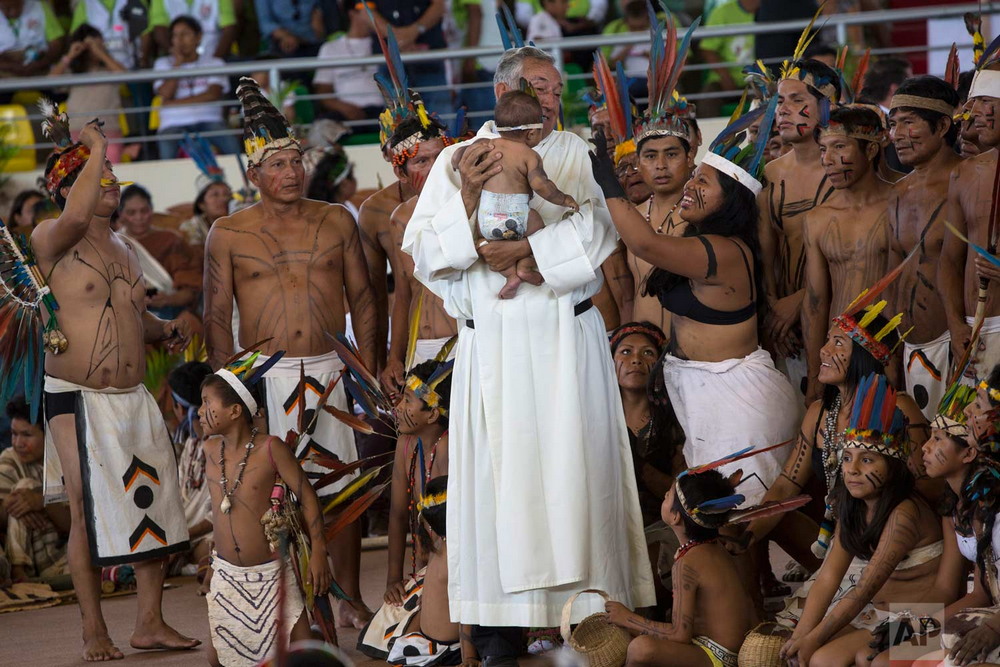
x: 517, y: 109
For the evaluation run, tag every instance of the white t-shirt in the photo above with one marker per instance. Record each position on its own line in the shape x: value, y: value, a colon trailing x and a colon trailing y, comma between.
x: 351, y: 84
x: 636, y: 59
x: 179, y: 116
x: 542, y: 26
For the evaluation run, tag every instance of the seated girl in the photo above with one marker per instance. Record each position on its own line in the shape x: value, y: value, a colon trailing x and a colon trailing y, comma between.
x: 887, y: 546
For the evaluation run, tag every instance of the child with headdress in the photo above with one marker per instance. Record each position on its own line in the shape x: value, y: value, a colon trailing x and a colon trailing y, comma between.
x: 503, y: 212
x: 887, y: 546
x: 712, y: 610
x: 250, y: 581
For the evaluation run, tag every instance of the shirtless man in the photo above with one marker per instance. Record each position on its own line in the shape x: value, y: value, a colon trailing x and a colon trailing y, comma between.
x: 968, y: 210
x: 665, y: 164
x: 289, y: 261
x: 96, y: 384
x: 847, y: 239
x: 921, y: 128
x: 795, y: 184
x: 435, y: 326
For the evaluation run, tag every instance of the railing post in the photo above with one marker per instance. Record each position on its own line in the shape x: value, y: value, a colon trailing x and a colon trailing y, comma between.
x: 274, y: 80
x: 558, y: 55
x: 841, y: 33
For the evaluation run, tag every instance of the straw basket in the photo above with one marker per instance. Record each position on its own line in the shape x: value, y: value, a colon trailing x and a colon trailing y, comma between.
x: 602, y: 644
x: 762, y: 644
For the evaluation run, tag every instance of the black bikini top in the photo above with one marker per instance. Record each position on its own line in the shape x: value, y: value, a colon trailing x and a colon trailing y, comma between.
x: 679, y: 298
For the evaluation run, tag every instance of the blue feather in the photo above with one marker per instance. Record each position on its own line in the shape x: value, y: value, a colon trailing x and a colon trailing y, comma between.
x: 259, y: 372
x: 504, y: 35
x: 515, y: 32
x: 991, y: 258
x: 763, y: 135
x: 873, y: 418
x: 737, y: 126
x: 360, y: 397
x: 990, y: 53
x: 719, y: 505
x: 626, y: 99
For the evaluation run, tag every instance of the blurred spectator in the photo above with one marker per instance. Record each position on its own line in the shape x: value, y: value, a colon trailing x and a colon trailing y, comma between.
x: 333, y: 181
x: 634, y: 57
x: 291, y: 28
x: 211, y: 204
x: 169, y: 267
x: 480, y: 30
x: 21, y: 219
x: 357, y: 96
x: 31, y: 37
x: 181, y: 110
x: 734, y: 49
x: 547, y: 23
x: 124, y: 24
x: 88, y: 53
x: 217, y: 19
x: 773, y: 47
x: 36, y: 533
x: 417, y: 26
x: 883, y: 78
x: 822, y: 52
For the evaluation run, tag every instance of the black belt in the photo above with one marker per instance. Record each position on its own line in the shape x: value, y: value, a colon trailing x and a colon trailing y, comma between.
x: 578, y: 309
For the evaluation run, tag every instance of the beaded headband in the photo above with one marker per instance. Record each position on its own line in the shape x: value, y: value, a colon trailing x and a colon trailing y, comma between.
x: 992, y: 392
x: 918, y: 102
x: 65, y: 166
x: 650, y: 331
x: 427, y: 391
x: 857, y: 329
x: 863, y: 133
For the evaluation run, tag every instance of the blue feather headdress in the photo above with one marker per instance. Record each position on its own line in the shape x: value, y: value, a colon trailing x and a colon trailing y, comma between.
x: 790, y: 68
x: 732, y: 155
x: 426, y: 391
x: 667, y: 109
x: 200, y: 151
x: 510, y: 33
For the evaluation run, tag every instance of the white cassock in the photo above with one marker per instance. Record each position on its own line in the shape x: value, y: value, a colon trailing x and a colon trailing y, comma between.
x: 542, y: 500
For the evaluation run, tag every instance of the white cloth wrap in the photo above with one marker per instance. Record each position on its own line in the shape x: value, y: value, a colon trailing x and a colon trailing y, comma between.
x: 985, y: 83
x: 243, y: 609
x: 541, y: 497
x: 153, y: 274
x: 197, y: 500
x: 330, y: 436
x: 734, y: 171
x: 503, y: 216
x: 927, y: 367
x: 988, y: 354
x: 724, y: 406
x: 128, y: 470
x: 426, y: 349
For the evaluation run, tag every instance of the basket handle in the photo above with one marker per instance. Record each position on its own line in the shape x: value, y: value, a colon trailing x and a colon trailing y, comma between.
x: 567, y: 611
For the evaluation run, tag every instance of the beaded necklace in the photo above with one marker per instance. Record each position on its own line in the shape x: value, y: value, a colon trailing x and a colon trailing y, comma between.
x: 689, y: 545
x: 649, y: 212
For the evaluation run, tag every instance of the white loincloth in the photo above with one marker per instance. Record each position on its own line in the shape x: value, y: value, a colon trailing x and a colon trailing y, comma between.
x: 415, y: 649
x: 329, y: 436
x: 428, y: 348
x: 194, y: 492
x: 926, y: 370
x: 797, y: 371
x: 243, y: 609
x: 391, y: 621
x: 131, y: 497
x: 153, y: 274
x: 963, y: 622
x: 988, y: 354
x: 725, y: 406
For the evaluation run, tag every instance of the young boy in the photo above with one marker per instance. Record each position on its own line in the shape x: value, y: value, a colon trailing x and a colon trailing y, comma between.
x: 504, y: 214
x: 241, y: 470
x: 421, y: 454
x: 712, y: 612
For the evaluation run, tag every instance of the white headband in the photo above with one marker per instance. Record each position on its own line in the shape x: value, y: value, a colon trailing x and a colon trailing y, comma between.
x: 729, y: 169
x: 529, y: 126
x: 985, y: 83
x: 240, y: 389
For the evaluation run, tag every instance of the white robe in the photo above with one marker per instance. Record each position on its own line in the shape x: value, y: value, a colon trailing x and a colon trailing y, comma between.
x: 542, y: 500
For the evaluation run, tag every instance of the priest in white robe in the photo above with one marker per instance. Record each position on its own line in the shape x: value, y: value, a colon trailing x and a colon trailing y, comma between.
x: 542, y: 499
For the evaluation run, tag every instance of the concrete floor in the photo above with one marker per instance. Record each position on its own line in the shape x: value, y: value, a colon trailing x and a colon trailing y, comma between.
x: 51, y: 637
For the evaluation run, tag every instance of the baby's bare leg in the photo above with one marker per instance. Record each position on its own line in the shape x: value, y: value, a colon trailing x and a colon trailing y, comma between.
x: 527, y: 269
x: 509, y: 290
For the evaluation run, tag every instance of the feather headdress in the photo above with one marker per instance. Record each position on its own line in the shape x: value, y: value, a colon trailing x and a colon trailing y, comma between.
x: 426, y: 391
x: 876, y: 422
x: 510, y: 33
x: 733, y: 155
x: 791, y: 69
x: 265, y: 129
x: 240, y: 374
x: 950, y: 416
x: 70, y: 156
x: 665, y: 115
x: 873, y: 128
x: 613, y: 89
x: 857, y: 319
x: 201, y: 152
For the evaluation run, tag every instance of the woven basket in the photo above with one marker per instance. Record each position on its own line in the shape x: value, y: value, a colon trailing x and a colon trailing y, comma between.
x: 602, y: 644
x: 762, y: 645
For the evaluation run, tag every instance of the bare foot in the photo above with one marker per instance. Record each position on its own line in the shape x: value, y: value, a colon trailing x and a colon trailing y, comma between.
x: 530, y: 276
x: 509, y: 290
x: 353, y: 614
x: 161, y: 637
x: 99, y: 649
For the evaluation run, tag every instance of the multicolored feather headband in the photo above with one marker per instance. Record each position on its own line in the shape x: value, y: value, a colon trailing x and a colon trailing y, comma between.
x: 739, y: 160
x: 876, y: 422
x: 240, y: 374
x: 790, y: 69
x: 665, y: 115
x: 71, y: 156
x: 265, y: 129
x: 950, y: 416
x: 427, y: 391
x: 428, y: 501
x: 621, y: 112
x: 857, y: 327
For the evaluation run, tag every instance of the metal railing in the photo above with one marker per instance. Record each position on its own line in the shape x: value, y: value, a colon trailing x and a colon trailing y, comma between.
x: 558, y: 48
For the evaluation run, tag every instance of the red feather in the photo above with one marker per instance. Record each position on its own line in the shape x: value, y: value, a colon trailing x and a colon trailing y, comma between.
x: 888, y: 407
x: 302, y: 397
x: 769, y: 509
x: 353, y: 511
x: 353, y: 361
x: 340, y: 470
x: 951, y: 70
x: 841, y: 58
x: 355, y: 422
x: 859, y: 75
x: 868, y: 404
x: 730, y: 459
x: 605, y: 81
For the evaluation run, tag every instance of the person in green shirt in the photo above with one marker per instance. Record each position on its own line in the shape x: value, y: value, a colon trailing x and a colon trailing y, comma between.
x: 217, y: 19
x: 120, y: 36
x: 737, y: 48
x: 31, y: 38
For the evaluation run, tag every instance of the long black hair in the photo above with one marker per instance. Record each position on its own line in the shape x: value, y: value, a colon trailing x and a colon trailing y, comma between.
x: 858, y: 536
x: 737, y: 217
x: 862, y: 364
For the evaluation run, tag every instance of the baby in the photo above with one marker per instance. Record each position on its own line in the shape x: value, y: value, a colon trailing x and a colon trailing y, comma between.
x: 504, y: 214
